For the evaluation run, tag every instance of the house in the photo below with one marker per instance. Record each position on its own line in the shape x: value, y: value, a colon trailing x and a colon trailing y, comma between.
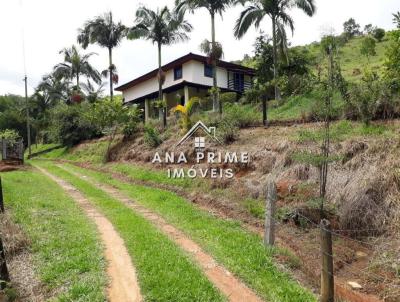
x: 185, y: 77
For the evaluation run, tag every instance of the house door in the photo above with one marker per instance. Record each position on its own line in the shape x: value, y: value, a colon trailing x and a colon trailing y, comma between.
x: 238, y: 81
x: 182, y: 100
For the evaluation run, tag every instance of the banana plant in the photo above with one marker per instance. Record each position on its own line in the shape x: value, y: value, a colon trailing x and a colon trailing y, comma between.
x: 186, y: 112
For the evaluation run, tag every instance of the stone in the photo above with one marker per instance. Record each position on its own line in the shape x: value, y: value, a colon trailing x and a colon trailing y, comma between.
x: 354, y: 285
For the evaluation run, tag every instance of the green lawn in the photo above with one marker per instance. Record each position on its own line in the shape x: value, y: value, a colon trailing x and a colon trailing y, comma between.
x: 165, y: 272
x: 240, y: 251
x: 65, y: 246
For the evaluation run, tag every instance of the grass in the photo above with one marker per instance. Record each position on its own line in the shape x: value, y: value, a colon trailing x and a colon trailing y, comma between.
x: 65, y: 246
x: 240, y: 251
x: 90, y: 152
x: 41, y: 147
x: 165, y: 273
x: 346, y: 129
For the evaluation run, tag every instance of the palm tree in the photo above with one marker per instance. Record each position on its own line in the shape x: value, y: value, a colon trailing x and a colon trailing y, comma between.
x: 214, y: 7
x: 186, y: 113
x: 396, y: 19
x: 277, y: 11
x: 103, y: 31
x: 162, y: 27
x: 76, y: 64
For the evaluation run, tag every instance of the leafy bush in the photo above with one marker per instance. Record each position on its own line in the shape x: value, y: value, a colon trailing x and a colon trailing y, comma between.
x: 10, y: 134
x: 70, y: 124
x: 244, y: 115
x: 378, y: 34
x: 228, y: 97
x: 228, y: 129
x: 151, y: 136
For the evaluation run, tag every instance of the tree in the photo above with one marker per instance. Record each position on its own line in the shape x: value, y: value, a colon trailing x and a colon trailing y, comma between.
x: 351, y: 28
x: 103, y: 31
x: 392, y: 63
x: 186, y: 112
x: 396, y: 19
x: 76, y: 64
x: 214, y: 7
x: 162, y: 27
x: 112, y: 117
x: 368, y: 46
x: 277, y: 10
x: 378, y: 34
x: 368, y: 29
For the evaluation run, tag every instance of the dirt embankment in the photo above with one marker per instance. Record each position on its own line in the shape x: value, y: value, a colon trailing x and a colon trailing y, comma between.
x: 363, y: 193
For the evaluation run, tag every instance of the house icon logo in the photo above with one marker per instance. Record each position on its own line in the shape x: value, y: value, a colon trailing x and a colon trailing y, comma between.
x: 199, y: 141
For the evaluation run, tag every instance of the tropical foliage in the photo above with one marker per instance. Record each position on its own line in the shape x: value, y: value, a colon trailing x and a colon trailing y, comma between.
x: 185, y: 112
x: 106, y: 33
x: 214, y: 7
x: 277, y: 11
x: 161, y: 27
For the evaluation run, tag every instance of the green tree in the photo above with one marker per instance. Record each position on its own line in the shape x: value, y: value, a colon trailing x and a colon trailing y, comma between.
x: 104, y: 32
x: 162, y: 27
x: 368, y: 47
x: 277, y: 10
x: 351, y: 28
x: 112, y: 117
x: 392, y: 63
x: 396, y: 19
x: 214, y: 8
x: 378, y: 34
x: 75, y: 65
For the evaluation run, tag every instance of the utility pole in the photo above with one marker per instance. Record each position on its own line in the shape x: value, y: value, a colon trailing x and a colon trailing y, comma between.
x: 28, y: 126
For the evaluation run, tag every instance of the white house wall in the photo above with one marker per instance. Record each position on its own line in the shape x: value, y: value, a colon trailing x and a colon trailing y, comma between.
x: 192, y: 71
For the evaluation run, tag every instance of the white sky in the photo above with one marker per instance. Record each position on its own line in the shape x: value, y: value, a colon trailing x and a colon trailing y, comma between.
x: 51, y: 25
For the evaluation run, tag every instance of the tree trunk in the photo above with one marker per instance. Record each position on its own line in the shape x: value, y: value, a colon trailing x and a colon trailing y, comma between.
x: 160, y: 92
x: 216, y: 105
x: 111, y: 73
x: 77, y: 80
x: 275, y: 58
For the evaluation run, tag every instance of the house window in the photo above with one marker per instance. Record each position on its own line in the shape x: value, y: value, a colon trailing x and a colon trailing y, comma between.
x: 178, y: 73
x: 208, y: 70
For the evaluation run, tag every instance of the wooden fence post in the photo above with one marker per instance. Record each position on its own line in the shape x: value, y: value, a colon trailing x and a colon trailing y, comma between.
x: 327, y: 280
x: 4, y: 149
x: 264, y: 107
x: 1, y: 198
x: 269, y: 235
x: 4, y: 275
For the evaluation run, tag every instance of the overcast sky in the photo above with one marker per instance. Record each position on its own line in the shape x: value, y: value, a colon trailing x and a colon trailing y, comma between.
x: 51, y: 25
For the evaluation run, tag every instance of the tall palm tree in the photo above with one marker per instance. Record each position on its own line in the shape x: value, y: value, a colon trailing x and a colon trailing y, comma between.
x: 277, y: 10
x: 162, y: 27
x: 214, y: 7
x: 75, y: 65
x: 396, y: 19
x: 103, y: 31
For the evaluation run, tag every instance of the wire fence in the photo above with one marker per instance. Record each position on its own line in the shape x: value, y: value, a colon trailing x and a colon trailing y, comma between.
x: 346, y: 267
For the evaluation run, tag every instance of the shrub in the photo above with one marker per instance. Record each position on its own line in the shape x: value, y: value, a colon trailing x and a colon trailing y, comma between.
x: 10, y: 134
x: 70, y: 124
x: 378, y: 34
x: 228, y: 97
x: 244, y: 115
x: 228, y: 130
x: 151, y: 136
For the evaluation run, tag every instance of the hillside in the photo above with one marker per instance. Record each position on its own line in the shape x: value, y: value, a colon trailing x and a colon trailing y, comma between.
x: 351, y: 60
x: 363, y: 180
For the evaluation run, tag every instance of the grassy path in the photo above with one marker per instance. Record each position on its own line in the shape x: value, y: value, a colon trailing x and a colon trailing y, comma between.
x: 67, y: 256
x: 165, y: 273
x: 123, y: 285
x: 223, y: 279
x: 242, y: 252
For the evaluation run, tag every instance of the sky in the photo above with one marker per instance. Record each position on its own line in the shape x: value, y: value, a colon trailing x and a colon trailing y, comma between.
x: 50, y: 25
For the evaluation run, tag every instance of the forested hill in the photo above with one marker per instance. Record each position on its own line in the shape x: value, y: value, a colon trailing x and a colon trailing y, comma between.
x: 351, y: 60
